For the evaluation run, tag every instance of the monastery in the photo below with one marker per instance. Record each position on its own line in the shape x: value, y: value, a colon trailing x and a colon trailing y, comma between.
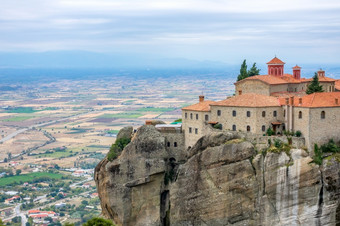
x: 277, y: 100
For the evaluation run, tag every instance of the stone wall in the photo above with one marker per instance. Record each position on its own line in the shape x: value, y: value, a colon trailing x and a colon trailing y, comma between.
x: 174, y: 143
x: 252, y: 86
x: 278, y: 88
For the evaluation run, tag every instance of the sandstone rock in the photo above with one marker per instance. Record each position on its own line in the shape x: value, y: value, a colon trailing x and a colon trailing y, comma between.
x: 125, y: 132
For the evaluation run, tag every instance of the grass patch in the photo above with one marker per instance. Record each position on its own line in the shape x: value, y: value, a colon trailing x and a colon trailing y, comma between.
x: 21, y: 110
x: 78, y: 130
x: 17, y: 118
x: 28, y: 177
x: 112, y: 131
x: 122, y: 115
x: 152, y: 109
x: 98, y: 146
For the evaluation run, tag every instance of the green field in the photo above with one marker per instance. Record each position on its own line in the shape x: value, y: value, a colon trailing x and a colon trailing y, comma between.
x: 21, y: 110
x: 78, y: 130
x: 152, y: 109
x: 18, y: 118
x: 28, y: 177
x: 122, y: 115
x: 112, y: 131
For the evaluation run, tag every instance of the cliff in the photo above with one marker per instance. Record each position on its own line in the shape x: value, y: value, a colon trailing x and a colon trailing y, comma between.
x: 221, y: 180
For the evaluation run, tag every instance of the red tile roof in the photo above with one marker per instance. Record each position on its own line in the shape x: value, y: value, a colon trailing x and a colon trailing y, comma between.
x: 276, y: 60
x: 315, y: 100
x: 272, y: 80
x: 250, y: 100
x: 201, y: 106
x: 296, y: 67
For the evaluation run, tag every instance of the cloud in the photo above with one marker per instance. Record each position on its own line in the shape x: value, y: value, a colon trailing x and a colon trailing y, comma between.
x: 198, y: 29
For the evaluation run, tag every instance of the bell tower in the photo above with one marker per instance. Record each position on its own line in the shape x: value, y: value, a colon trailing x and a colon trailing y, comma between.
x: 276, y: 67
x: 297, y: 72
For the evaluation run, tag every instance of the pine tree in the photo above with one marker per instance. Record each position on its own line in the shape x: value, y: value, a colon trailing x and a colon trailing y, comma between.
x: 253, y: 71
x: 314, y: 86
x: 243, y: 71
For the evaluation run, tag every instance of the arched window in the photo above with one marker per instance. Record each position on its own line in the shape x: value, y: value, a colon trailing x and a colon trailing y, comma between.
x: 175, y: 144
x: 234, y: 113
x: 206, y: 117
x: 263, y: 128
x: 323, y: 115
x: 190, y: 130
x: 248, y: 113
x: 168, y: 144
x: 196, y: 131
x: 190, y: 115
x: 186, y: 115
x: 248, y: 128
x: 300, y: 114
x: 274, y: 113
x: 284, y: 113
x: 218, y: 112
x: 263, y: 114
x: 196, y: 116
x: 234, y: 127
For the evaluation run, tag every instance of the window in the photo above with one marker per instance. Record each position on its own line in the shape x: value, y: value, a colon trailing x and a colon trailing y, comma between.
x: 284, y: 113
x: 196, y: 116
x: 323, y: 115
x: 186, y: 115
x: 206, y: 117
x: 175, y: 144
x: 234, y: 113
x: 263, y: 114
x: 190, y: 130
x: 248, y: 128
x: 218, y: 112
x: 190, y: 115
x: 168, y: 144
x: 300, y: 114
x: 196, y: 131
x: 275, y: 113
x: 234, y: 127
x: 248, y: 113
x: 263, y: 128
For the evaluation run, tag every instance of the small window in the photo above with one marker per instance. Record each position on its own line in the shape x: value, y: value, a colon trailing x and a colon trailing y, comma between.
x: 300, y: 114
x: 206, y: 117
x: 234, y: 127
x: 323, y: 115
x: 234, y: 113
x: 196, y: 131
x: 275, y: 113
x: 218, y: 112
x: 263, y: 128
x: 248, y: 113
x: 175, y: 144
x: 284, y: 113
x: 196, y: 116
x: 190, y: 130
x: 186, y: 115
x: 248, y: 128
x: 263, y: 114
x: 168, y: 144
x: 190, y: 115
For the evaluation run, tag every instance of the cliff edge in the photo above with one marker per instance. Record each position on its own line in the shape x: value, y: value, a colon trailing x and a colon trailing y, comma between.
x: 221, y: 180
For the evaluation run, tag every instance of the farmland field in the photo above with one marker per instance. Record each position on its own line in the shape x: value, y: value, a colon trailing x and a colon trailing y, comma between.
x: 28, y: 177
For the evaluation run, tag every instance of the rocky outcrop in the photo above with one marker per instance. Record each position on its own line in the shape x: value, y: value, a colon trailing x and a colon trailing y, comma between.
x: 223, y: 181
x: 125, y: 133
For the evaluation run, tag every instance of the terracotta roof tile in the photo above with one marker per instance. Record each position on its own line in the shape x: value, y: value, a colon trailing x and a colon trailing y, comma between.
x: 201, y: 106
x: 296, y: 67
x: 276, y: 60
x: 337, y: 84
x: 322, y: 79
x: 249, y: 100
x: 315, y: 100
x: 271, y: 79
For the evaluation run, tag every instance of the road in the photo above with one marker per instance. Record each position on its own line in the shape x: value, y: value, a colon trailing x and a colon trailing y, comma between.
x: 22, y: 215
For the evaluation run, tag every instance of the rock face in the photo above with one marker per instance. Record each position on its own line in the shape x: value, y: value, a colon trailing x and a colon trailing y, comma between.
x: 222, y: 181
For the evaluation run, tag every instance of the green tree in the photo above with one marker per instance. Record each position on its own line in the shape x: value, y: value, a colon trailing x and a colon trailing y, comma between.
x: 97, y: 221
x: 314, y: 86
x: 17, y: 172
x: 69, y: 224
x: 1, y: 223
x: 253, y: 71
x: 243, y: 71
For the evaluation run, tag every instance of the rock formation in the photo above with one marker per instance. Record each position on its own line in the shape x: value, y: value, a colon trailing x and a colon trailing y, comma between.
x: 222, y: 180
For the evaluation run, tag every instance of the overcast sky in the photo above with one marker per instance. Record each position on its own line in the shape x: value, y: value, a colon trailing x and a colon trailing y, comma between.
x: 306, y: 31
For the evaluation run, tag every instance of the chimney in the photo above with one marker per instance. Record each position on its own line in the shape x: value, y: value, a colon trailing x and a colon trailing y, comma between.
x: 287, y: 101
x: 148, y: 122
x: 336, y: 101
x: 201, y: 98
x: 321, y: 73
x: 292, y: 101
x: 297, y: 72
x: 240, y: 92
x: 300, y: 100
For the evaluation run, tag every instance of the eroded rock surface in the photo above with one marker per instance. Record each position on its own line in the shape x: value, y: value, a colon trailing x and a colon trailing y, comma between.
x: 223, y: 181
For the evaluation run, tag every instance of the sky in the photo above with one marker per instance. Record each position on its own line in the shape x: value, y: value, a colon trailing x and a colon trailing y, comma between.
x: 297, y: 31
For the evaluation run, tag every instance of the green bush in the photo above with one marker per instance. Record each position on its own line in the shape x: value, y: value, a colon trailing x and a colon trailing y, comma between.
x: 270, y: 132
x: 277, y: 143
x: 330, y: 147
x: 117, y: 147
x: 298, y: 133
x: 97, y: 221
x: 317, y: 158
x: 218, y: 126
